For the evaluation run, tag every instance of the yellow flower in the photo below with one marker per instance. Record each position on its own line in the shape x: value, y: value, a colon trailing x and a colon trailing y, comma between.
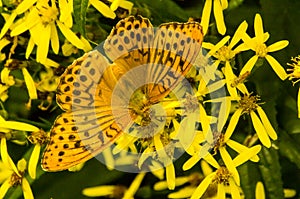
x: 115, y: 191
x: 44, y: 18
x: 38, y: 138
x: 3, y: 42
x: 218, y: 7
x: 107, y: 11
x: 13, y: 175
x: 248, y: 104
x: 223, y: 177
x: 3, y: 92
x: 49, y: 81
x: 295, y: 74
x: 257, y: 44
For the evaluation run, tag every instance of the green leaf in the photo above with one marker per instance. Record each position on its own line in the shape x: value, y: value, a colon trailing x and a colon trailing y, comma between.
x: 289, y: 148
x: 248, y: 182
x: 80, y: 8
x: 270, y: 171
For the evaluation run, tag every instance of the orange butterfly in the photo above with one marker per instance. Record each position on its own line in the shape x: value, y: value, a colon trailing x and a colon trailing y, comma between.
x: 93, y: 91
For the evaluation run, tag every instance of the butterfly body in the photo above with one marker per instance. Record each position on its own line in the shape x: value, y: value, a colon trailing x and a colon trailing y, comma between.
x: 104, y: 93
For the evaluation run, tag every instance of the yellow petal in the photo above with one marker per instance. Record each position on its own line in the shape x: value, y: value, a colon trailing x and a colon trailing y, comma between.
x: 206, y: 15
x: 26, y: 189
x: 126, y: 5
x: 206, y: 169
x: 6, y: 158
x: 4, y: 188
x: 298, y: 102
x: 185, y: 192
x: 218, y: 12
x: 229, y: 164
x: 211, y: 160
x: 54, y: 39
x: 219, y: 45
x: 260, y: 130
x: 103, y: 9
x: 19, y: 126
x: 8, y: 23
x: 5, y: 75
x: 223, y: 113
x: 278, y: 69
x: 224, y: 4
x: 278, y: 46
x: 232, y: 124
x: 246, y: 155
x: 234, y: 189
x: 221, y: 194
x: 97, y: 191
x: 30, y: 47
x: 34, y: 160
x: 240, y: 148
x: 24, y: 6
x: 32, y: 20
x: 29, y: 84
x: 134, y: 186
x: 115, y: 4
x: 70, y: 36
x: 239, y: 33
x: 203, y: 186
x: 191, y: 162
x: 259, y: 191
x: 109, y: 158
x: 258, y: 28
x: 170, y: 176
x: 270, y: 130
x: 249, y: 65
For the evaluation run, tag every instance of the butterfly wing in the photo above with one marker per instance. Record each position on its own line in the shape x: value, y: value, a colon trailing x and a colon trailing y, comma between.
x: 175, y: 48
x: 87, y: 127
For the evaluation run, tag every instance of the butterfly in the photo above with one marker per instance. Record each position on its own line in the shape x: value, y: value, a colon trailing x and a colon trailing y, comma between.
x: 93, y: 91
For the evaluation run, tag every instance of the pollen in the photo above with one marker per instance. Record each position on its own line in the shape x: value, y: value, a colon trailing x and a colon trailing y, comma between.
x: 222, y: 176
x: 48, y: 14
x: 225, y: 54
x: 15, y: 179
x: 261, y: 50
x: 295, y: 70
x: 248, y: 103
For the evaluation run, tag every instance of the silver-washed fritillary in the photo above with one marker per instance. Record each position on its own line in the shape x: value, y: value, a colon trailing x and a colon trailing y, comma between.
x: 89, y: 124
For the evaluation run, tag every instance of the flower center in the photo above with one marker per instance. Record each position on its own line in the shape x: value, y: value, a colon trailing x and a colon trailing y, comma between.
x: 39, y: 137
x: 225, y: 53
x: 218, y: 141
x: 47, y: 13
x: 16, y: 180
x: 295, y: 70
x: 222, y: 176
x: 261, y: 50
x: 248, y: 103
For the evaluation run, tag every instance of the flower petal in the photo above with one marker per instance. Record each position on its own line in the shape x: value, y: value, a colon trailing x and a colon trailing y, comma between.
x: 241, y: 30
x: 206, y: 15
x: 270, y: 130
x: 24, y: 6
x: 26, y: 189
x: 29, y: 48
x: 104, y: 190
x: 246, y: 155
x: 260, y: 130
x: 170, y: 176
x: 70, y: 36
x: 129, y: 193
x: 34, y: 160
x: 54, y: 39
x: 259, y: 190
x: 218, y: 12
x: 203, y: 186
x: 29, y: 84
x: 249, y: 65
x: 232, y: 124
x: 19, y: 126
x: 103, y: 9
x: 4, y: 188
x: 221, y: 194
x: 229, y: 164
x: 234, y: 189
x: 258, y: 28
x: 298, y: 102
x: 278, y: 46
x: 6, y: 158
x: 240, y: 148
x: 8, y: 24
x: 278, y: 69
